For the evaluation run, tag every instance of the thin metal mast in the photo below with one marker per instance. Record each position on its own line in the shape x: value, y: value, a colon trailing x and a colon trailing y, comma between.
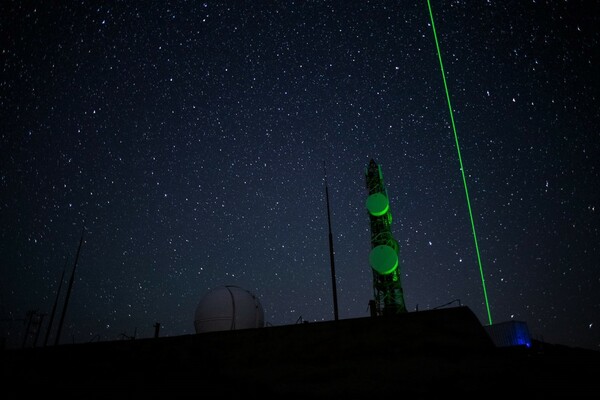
x: 62, y: 278
x: 64, y: 311
x: 331, y: 252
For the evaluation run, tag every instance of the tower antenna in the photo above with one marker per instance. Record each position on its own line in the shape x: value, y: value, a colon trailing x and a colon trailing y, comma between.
x: 331, y: 252
x: 383, y: 257
x: 62, y: 278
x: 64, y: 311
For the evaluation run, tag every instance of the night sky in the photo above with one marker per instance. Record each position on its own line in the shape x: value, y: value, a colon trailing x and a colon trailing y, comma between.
x: 189, y: 139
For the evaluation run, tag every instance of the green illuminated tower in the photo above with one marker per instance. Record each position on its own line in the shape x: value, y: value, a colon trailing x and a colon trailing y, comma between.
x: 383, y: 258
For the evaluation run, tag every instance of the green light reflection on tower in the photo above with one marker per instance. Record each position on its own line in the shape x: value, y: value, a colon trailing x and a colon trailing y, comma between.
x: 383, y: 257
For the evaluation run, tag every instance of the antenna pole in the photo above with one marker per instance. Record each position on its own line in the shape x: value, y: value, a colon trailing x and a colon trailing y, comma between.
x: 331, y: 252
x: 64, y: 311
x: 62, y: 277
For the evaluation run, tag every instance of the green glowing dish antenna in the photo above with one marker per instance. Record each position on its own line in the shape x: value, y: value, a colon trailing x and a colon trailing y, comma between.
x: 383, y: 259
x: 378, y: 204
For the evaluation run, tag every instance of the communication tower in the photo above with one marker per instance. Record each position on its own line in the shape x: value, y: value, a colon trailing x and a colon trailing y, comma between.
x: 383, y: 257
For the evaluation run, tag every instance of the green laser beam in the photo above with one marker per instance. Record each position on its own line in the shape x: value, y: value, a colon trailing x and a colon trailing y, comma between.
x: 462, y: 170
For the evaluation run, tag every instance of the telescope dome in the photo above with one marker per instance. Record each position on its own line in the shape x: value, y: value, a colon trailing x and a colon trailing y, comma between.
x: 228, y: 308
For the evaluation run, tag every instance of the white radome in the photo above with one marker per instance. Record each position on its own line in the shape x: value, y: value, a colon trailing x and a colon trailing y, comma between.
x: 228, y: 308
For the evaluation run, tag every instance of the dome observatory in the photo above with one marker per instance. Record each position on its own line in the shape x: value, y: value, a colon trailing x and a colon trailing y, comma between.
x: 228, y: 308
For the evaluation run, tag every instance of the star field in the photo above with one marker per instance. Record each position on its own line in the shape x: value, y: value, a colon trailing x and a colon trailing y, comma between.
x: 189, y: 139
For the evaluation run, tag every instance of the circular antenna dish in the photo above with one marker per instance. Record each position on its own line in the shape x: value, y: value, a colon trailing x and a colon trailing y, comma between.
x: 228, y: 308
x: 383, y: 259
x: 378, y: 204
